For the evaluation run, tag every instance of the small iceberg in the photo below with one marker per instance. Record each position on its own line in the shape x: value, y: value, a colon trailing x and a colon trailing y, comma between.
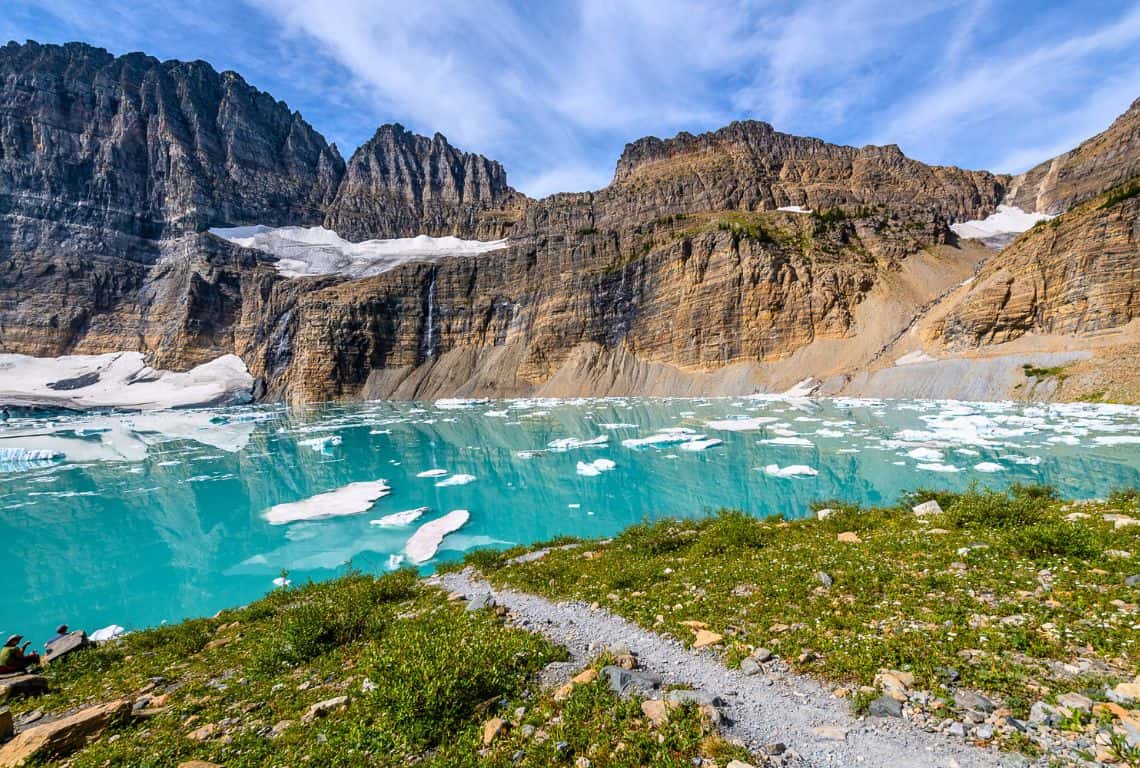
x: 432, y: 473
x: 989, y: 466
x: 569, y: 443
x: 24, y: 459
x: 458, y: 403
x: 802, y: 442
x: 939, y: 467
x: 281, y: 582
x: 425, y: 542
x: 701, y: 445
x: 322, y: 444
x: 455, y: 480
x: 595, y: 467
x: 741, y: 425
x: 399, y: 519
x: 794, y: 470
x: 352, y: 499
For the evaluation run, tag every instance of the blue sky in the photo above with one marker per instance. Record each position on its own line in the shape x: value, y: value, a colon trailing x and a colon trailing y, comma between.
x: 555, y: 89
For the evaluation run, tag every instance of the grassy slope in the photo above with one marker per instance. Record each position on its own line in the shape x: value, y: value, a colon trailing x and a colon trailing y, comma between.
x: 1000, y: 588
x: 438, y: 671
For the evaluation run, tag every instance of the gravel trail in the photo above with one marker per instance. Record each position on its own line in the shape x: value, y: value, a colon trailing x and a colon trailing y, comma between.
x: 760, y: 709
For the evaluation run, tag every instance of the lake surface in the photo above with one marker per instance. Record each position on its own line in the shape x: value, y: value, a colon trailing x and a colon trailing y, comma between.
x: 145, y: 518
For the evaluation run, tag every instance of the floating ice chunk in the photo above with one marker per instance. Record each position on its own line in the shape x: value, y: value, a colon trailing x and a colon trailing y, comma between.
x: 432, y: 473
x: 459, y: 479
x: 1117, y: 439
x: 793, y: 209
x: 595, y: 467
x: 967, y: 451
x: 351, y: 499
x: 568, y: 443
x: 394, y: 562
x: 398, y: 519
x: 282, y: 582
x: 24, y: 459
x: 496, y: 414
x: 939, y: 467
x: 1000, y: 227
x: 458, y: 403
x: 305, y: 251
x: 111, y: 632
x: 119, y: 380
x: 794, y: 470
x: 668, y: 436
x: 989, y: 466
x: 825, y: 432
x: 425, y: 542
x: 785, y: 440
x: 322, y: 444
x: 1064, y: 439
x: 802, y: 388
x: 618, y: 425
x: 700, y: 445
x: 925, y: 454
x: 1027, y: 460
x: 741, y: 424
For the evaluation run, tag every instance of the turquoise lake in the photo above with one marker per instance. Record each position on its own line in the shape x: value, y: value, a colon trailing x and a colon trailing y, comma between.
x: 137, y: 519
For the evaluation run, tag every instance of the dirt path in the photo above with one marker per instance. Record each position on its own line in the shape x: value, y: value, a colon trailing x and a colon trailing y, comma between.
x: 759, y: 709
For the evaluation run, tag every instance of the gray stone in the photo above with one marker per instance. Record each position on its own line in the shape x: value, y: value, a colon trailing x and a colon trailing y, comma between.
x: 1075, y: 702
x: 762, y: 655
x: 20, y: 686
x: 623, y: 681
x: 885, y: 706
x: 927, y: 508
x: 700, y: 698
x: 619, y: 649
x: 984, y: 731
x: 971, y: 700
x: 749, y: 666
x: 957, y: 729
x: 1042, y: 713
x: 322, y: 708
x: 824, y: 579
x: 480, y: 601
x: 1132, y: 581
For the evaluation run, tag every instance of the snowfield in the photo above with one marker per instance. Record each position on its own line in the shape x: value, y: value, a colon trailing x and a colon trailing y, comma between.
x: 1000, y: 228
x: 312, y: 251
x: 119, y: 380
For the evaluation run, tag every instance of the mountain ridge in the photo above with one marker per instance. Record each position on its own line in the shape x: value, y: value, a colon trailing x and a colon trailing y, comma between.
x: 680, y: 276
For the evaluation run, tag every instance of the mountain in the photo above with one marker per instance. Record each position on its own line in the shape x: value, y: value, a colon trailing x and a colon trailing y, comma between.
x: 682, y: 276
x: 399, y: 184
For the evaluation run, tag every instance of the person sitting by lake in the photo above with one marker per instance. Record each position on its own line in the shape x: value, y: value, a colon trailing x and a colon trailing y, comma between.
x: 65, y: 642
x: 14, y: 657
x: 60, y: 632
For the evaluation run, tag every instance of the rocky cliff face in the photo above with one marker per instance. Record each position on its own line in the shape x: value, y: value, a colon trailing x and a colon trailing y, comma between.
x: 679, y: 277
x: 399, y: 184
x: 1104, y: 161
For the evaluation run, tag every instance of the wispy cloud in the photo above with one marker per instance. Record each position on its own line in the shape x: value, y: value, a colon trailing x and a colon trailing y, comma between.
x: 555, y: 89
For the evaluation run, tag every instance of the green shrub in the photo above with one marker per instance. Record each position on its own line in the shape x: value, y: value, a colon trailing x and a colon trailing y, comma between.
x: 1054, y: 538
x: 1021, y: 506
x: 730, y: 530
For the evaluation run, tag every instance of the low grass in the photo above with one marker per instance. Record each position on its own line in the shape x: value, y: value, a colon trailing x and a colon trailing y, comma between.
x: 435, y: 673
x: 1121, y: 193
x: 1051, y: 372
x: 1001, y: 588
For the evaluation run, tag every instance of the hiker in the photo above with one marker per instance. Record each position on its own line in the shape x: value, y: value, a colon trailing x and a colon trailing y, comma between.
x: 60, y: 632
x: 14, y: 657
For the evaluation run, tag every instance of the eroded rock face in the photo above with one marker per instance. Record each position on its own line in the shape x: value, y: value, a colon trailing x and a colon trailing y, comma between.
x: 1077, y: 274
x: 1104, y: 161
x: 112, y: 168
x: 399, y: 184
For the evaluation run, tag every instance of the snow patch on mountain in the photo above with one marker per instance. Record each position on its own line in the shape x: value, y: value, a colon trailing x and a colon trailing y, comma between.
x: 1000, y: 228
x: 311, y: 251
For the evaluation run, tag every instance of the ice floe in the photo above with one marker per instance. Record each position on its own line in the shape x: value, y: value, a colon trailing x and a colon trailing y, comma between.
x: 323, y: 444
x: 743, y: 424
x: 399, y: 519
x: 119, y: 380
x: 570, y: 443
x: 989, y: 466
x: 458, y: 479
x: 308, y: 251
x: 432, y: 473
x: 794, y: 470
x: 595, y: 467
x: 1000, y: 227
x: 104, y: 634
x: 802, y: 442
x: 24, y: 459
x: 459, y: 403
x: 425, y: 542
x: 351, y: 499
x: 700, y: 445
x: 939, y: 467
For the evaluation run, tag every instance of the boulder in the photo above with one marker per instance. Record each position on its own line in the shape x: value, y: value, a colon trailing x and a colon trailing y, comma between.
x: 975, y: 701
x: 1075, y: 702
x: 62, y: 737
x: 927, y: 508
x: 623, y: 681
x: 492, y: 729
x: 658, y: 711
x: 19, y: 686
x: 1124, y: 692
x: 585, y: 676
x: 849, y: 537
x: 7, y: 727
x: 885, y: 706
x: 705, y: 638
x: 322, y: 708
